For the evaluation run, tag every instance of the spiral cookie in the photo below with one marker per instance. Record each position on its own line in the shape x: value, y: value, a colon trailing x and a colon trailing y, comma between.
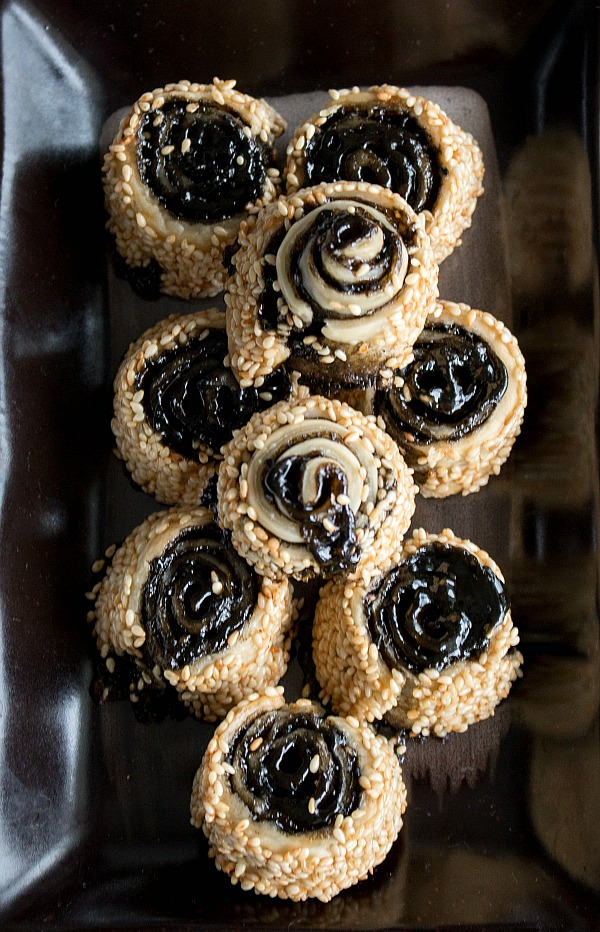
x: 312, y: 487
x: 429, y: 644
x: 192, y: 614
x: 457, y: 408
x: 338, y: 279
x: 176, y: 403
x: 390, y: 137
x: 188, y: 163
x: 295, y: 803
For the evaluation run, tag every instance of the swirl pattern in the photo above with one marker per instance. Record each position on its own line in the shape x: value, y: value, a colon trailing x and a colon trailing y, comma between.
x: 451, y: 388
x: 198, y: 161
x: 310, y: 484
x: 192, y: 399
x: 341, y: 286
x: 311, y: 490
x: 438, y: 606
x: 377, y: 144
x: 339, y: 268
x: 198, y: 592
x: 296, y: 770
x: 296, y: 804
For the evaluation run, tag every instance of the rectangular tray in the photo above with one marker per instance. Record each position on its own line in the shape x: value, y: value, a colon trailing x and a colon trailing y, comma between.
x: 502, y: 829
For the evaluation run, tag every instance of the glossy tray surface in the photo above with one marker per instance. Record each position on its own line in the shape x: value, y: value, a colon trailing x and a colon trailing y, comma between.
x: 503, y: 825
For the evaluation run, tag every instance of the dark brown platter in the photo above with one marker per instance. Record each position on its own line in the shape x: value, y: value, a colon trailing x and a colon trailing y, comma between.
x: 503, y: 825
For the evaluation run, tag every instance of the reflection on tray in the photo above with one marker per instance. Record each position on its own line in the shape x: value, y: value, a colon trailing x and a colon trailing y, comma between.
x: 554, y: 560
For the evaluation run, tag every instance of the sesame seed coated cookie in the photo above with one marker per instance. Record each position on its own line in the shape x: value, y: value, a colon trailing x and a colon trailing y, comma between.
x: 312, y: 487
x: 177, y: 402
x: 457, y: 408
x: 429, y: 645
x: 389, y: 136
x: 337, y: 279
x: 188, y: 163
x: 296, y: 803
x: 193, y: 615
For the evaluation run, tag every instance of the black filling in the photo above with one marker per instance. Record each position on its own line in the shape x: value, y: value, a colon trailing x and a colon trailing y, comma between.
x: 191, y: 398
x: 201, y: 179
x: 269, y: 315
x: 328, y: 528
x: 275, y: 780
x: 183, y: 616
x: 438, y: 606
x: 453, y: 385
x: 153, y: 703
x: 379, y: 145
x: 145, y: 280
x: 229, y: 254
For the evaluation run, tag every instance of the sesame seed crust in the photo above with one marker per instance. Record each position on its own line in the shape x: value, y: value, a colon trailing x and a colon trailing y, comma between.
x: 159, y: 470
x: 256, y: 656
x: 459, y: 156
x: 356, y: 680
x: 448, y: 467
x: 190, y: 254
x: 390, y: 331
x: 261, y: 857
x: 385, y: 503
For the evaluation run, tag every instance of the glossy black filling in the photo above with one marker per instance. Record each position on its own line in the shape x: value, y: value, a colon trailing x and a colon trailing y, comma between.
x: 192, y: 399
x: 183, y: 617
x: 454, y: 384
x: 438, y: 606
x: 201, y: 179
x: 379, y: 145
x: 275, y: 780
x: 269, y: 315
x: 328, y: 528
x: 145, y: 280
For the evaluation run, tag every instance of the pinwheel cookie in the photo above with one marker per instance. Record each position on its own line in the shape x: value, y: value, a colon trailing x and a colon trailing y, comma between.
x: 429, y: 644
x: 457, y: 408
x: 391, y: 137
x: 191, y: 614
x: 187, y: 165
x: 311, y: 487
x: 177, y: 403
x: 296, y: 803
x: 337, y: 280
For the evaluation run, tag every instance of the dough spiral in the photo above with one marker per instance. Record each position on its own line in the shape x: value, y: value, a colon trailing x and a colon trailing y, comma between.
x: 176, y: 403
x: 428, y: 644
x: 313, y: 488
x: 337, y: 279
x: 456, y: 409
x: 189, y: 162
